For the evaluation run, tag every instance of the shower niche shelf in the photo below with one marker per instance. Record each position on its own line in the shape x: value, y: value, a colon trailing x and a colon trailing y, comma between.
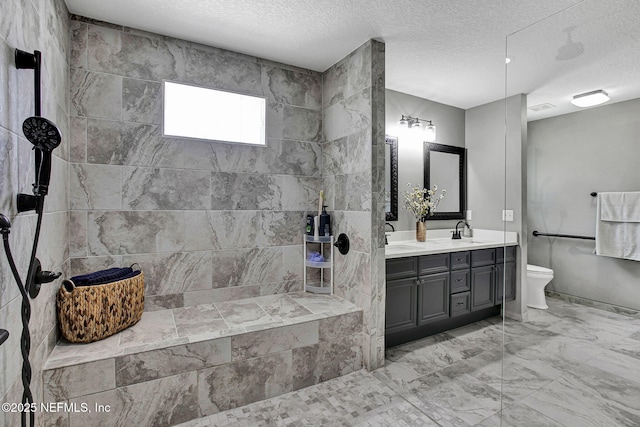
x: 320, y: 287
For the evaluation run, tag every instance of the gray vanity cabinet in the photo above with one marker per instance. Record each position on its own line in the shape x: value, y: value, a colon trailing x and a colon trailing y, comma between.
x: 429, y: 294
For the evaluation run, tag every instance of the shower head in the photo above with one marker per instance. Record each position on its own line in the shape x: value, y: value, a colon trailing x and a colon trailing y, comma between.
x: 42, y: 133
x: 44, y: 136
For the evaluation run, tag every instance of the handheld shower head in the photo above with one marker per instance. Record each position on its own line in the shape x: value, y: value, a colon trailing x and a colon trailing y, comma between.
x: 44, y: 136
x: 42, y: 133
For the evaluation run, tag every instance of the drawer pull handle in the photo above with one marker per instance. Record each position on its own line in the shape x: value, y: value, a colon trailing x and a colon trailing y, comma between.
x: 459, y: 259
x: 459, y: 303
x: 459, y: 280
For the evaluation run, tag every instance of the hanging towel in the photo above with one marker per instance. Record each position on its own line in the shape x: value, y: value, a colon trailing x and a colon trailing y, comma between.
x: 618, y: 225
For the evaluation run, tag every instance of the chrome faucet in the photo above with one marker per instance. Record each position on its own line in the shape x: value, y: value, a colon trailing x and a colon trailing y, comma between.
x: 456, y: 234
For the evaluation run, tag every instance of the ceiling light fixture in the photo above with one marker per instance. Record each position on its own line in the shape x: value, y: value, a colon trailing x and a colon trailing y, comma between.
x: 590, y: 99
x: 416, y: 123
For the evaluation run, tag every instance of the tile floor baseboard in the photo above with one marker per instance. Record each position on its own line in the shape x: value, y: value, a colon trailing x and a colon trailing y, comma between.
x: 596, y: 304
x: 570, y: 365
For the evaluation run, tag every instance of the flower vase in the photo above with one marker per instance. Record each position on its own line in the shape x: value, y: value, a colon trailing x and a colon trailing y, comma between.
x: 421, y: 231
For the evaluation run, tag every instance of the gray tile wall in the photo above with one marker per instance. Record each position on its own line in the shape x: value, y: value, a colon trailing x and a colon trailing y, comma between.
x: 44, y: 26
x: 353, y: 176
x: 208, y: 221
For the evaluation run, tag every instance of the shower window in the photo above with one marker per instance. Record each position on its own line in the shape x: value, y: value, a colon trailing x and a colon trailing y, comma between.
x: 203, y: 113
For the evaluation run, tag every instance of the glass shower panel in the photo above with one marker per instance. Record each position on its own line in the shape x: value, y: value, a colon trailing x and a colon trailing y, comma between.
x: 572, y: 354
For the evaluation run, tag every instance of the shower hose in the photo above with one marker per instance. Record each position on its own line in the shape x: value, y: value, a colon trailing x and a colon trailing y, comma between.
x: 28, y: 409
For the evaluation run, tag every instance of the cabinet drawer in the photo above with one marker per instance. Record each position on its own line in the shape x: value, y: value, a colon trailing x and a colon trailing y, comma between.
x: 483, y: 257
x: 460, y: 281
x: 460, y: 260
x: 507, y: 254
x: 460, y: 304
x: 437, y: 263
x: 400, y: 268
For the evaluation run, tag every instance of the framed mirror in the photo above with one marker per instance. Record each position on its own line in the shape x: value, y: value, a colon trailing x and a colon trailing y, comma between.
x: 444, y: 166
x: 391, y: 178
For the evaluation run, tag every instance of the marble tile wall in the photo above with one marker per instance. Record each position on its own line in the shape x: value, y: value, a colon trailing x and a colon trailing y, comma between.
x: 207, y: 221
x: 44, y: 26
x: 353, y: 177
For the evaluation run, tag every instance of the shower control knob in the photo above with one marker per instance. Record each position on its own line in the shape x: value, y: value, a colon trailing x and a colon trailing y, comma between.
x: 342, y: 244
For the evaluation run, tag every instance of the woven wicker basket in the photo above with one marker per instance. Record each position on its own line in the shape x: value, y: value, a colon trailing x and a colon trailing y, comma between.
x: 91, y: 313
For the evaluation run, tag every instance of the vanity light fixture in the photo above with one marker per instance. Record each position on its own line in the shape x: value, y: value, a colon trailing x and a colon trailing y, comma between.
x: 416, y: 122
x: 590, y: 99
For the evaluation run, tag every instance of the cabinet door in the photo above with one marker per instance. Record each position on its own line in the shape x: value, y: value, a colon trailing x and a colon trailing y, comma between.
x: 433, y: 298
x: 401, y: 305
x: 482, y: 287
x: 506, y: 280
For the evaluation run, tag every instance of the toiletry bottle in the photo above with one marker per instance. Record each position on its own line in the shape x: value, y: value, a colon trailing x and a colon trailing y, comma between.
x: 309, y: 228
x: 467, y: 231
x: 325, y: 222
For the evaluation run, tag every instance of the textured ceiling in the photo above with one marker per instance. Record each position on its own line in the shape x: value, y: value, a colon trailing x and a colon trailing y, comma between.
x: 446, y: 51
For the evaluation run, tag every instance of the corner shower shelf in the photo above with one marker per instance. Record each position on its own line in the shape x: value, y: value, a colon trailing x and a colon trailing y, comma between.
x: 320, y: 288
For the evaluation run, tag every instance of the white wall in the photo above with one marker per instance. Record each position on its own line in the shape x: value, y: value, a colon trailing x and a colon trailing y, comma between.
x: 570, y: 156
x: 449, y: 123
x: 496, y: 171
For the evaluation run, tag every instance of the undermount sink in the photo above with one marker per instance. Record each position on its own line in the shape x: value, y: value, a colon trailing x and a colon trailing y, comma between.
x: 402, y: 247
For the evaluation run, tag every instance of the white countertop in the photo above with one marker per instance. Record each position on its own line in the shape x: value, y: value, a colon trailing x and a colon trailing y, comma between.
x: 404, y: 244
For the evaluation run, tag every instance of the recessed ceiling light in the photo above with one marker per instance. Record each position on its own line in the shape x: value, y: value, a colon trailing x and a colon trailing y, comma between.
x: 507, y: 60
x: 590, y: 99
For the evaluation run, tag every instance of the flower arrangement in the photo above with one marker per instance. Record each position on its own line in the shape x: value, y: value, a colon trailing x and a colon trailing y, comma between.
x: 422, y: 203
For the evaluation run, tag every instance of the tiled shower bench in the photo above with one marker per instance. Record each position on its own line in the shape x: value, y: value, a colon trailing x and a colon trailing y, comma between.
x: 183, y: 363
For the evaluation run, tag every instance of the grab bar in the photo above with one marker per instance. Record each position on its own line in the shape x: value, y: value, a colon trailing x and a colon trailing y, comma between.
x: 569, y: 236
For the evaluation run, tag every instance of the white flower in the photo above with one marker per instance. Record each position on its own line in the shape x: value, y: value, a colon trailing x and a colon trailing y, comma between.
x: 422, y: 202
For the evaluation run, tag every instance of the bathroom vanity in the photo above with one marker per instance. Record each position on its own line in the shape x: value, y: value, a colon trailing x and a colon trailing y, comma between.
x: 442, y: 283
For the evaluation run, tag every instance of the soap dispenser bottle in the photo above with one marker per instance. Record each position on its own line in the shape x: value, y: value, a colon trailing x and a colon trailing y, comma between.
x: 325, y: 222
x: 467, y: 231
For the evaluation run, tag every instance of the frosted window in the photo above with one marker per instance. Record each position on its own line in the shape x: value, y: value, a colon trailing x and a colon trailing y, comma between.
x: 197, y: 112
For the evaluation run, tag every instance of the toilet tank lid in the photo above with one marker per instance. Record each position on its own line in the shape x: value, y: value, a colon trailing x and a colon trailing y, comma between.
x: 538, y: 269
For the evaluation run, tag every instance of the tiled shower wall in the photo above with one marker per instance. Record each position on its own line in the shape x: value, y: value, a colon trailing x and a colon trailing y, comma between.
x: 353, y: 174
x: 207, y: 221
x: 44, y: 26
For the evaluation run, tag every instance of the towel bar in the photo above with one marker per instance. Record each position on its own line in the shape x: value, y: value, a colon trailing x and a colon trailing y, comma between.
x: 569, y: 236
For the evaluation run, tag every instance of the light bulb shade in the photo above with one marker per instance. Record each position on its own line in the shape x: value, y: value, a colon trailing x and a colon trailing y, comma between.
x: 403, y: 121
x: 416, y: 124
x: 430, y: 133
x: 590, y: 99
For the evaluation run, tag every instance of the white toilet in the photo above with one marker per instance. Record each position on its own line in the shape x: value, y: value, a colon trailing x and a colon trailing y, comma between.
x: 537, y: 278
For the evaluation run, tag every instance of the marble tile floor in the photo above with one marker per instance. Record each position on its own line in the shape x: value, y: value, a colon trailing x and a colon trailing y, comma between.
x: 171, y: 327
x: 571, y: 365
